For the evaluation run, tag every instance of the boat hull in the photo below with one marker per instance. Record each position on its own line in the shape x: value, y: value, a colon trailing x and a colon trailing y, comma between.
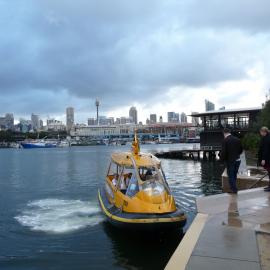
x: 32, y: 145
x: 137, y: 221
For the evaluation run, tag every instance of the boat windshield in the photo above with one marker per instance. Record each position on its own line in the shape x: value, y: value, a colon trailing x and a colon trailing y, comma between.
x: 153, y: 181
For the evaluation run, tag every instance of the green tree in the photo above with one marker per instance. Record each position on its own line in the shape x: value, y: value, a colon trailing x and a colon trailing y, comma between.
x: 251, y: 141
x: 264, y: 117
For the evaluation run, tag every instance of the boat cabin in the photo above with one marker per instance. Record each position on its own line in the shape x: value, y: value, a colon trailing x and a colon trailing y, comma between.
x: 137, y: 177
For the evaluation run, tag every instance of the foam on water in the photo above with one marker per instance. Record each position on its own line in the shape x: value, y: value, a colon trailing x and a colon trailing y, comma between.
x: 59, y: 216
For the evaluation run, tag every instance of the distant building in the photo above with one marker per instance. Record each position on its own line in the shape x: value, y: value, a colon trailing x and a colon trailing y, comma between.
x: 91, y: 121
x: 103, y: 120
x: 195, y: 120
x: 222, y: 108
x: 183, y: 118
x: 40, y: 124
x: 160, y: 119
x: 35, y: 122
x: 133, y: 114
x: 117, y: 121
x: 173, y: 117
x: 126, y: 120
x: 153, y: 118
x: 69, y: 118
x: 209, y: 106
x: 126, y: 131
x: 25, y: 125
x: 2, y: 123
x: 55, y: 125
x: 7, y: 122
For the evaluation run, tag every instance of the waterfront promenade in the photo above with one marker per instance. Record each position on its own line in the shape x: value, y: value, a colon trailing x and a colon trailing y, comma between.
x: 229, y: 232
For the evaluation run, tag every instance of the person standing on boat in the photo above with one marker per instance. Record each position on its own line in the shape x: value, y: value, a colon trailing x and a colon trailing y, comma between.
x: 264, y: 152
x: 115, y: 179
x: 230, y: 154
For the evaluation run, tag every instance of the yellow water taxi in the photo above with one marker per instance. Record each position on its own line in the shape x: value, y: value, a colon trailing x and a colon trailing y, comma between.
x: 136, y: 193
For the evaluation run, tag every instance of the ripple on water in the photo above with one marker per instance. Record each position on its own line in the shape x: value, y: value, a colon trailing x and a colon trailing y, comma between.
x: 59, y: 216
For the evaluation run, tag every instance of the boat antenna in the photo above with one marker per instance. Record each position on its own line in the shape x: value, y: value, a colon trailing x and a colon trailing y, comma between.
x: 135, y: 144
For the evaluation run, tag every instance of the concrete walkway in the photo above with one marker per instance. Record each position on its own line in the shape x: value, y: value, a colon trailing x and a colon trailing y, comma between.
x: 233, y: 233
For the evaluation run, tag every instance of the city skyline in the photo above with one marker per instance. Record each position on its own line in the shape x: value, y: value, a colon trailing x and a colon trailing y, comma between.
x: 75, y: 120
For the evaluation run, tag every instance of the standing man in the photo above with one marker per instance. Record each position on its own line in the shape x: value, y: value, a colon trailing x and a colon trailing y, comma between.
x: 264, y: 152
x: 230, y: 154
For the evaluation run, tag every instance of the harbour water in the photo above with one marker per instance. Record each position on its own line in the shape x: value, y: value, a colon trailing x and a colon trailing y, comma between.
x: 50, y: 218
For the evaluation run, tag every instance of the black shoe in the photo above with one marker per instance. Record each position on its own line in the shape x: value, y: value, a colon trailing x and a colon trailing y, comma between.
x: 267, y: 189
x: 232, y: 192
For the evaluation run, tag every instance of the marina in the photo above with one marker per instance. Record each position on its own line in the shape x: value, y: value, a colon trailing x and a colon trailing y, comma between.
x: 135, y: 135
x: 54, y: 219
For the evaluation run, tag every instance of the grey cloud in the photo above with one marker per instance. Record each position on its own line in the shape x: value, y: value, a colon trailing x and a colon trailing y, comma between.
x: 248, y: 15
x: 119, y: 51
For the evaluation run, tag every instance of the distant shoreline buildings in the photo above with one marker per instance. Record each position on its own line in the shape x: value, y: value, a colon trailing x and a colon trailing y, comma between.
x: 101, y: 122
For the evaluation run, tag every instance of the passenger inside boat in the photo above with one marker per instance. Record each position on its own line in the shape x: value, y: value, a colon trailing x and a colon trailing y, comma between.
x: 149, y: 179
x: 128, y: 179
x: 123, y: 185
x: 115, y: 179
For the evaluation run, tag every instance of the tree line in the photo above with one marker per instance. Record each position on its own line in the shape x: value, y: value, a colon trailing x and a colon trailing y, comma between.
x: 252, y: 139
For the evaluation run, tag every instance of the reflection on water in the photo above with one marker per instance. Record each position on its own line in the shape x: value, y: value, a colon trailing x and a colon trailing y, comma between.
x: 138, y: 250
x: 49, y: 214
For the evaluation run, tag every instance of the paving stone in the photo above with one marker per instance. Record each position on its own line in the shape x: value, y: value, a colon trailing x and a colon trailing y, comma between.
x: 206, y: 263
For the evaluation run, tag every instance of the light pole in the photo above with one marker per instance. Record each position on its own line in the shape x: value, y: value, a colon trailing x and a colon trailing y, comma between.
x: 97, y: 103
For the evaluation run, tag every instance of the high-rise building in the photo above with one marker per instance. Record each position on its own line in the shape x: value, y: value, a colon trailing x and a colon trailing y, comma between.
x: 195, y: 120
x: 69, y: 118
x: 117, y: 121
x: 176, y: 118
x: 173, y: 117
x: 35, y: 122
x: 160, y: 119
x: 110, y: 120
x: 2, y: 123
x: 105, y: 121
x: 25, y: 125
x: 41, y: 124
x: 183, y: 118
x: 133, y: 114
x: 7, y: 122
x: 126, y: 120
x: 91, y: 121
x: 170, y: 116
x: 209, y: 106
x: 153, y: 118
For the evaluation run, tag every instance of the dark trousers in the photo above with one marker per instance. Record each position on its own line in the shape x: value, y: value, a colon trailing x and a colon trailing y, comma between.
x: 232, y: 170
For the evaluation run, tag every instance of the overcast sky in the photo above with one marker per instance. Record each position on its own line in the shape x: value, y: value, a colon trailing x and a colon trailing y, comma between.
x: 157, y: 55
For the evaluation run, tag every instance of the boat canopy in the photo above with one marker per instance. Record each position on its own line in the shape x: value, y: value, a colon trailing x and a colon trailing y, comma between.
x: 141, y: 160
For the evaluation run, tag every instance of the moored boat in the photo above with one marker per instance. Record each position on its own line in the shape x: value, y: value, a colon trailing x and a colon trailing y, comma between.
x: 38, y: 144
x: 136, y: 193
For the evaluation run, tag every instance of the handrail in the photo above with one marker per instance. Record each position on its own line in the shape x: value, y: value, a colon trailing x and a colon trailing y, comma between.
x: 253, y: 185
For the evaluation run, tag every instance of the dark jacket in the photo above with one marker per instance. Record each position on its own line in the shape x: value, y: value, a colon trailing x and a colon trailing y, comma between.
x: 264, y: 150
x: 231, y: 149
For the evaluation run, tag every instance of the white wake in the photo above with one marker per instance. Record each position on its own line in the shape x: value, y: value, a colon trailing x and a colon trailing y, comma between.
x: 59, y: 216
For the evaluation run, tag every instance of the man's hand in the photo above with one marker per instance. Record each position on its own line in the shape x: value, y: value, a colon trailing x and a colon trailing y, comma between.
x: 263, y: 162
